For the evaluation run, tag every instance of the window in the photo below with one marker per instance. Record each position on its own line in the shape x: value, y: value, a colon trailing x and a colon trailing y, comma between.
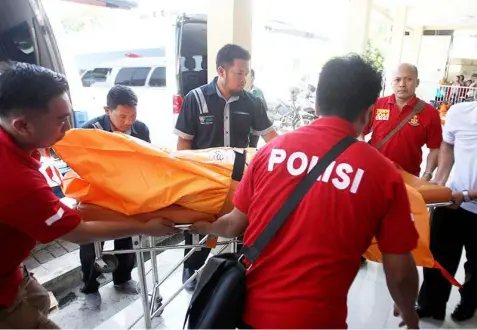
x: 97, y: 75
x: 132, y: 76
x: 158, y: 77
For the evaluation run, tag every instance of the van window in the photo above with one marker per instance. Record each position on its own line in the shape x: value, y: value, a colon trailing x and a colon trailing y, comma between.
x: 158, y: 78
x: 132, y: 76
x: 94, y: 76
x: 16, y: 44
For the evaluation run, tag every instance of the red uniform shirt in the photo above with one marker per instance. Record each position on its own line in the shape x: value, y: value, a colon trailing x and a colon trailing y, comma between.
x: 302, y: 278
x: 29, y: 212
x: 405, y: 147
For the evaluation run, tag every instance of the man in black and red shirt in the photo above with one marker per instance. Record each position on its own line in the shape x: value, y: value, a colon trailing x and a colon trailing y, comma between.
x: 34, y: 113
x: 302, y: 277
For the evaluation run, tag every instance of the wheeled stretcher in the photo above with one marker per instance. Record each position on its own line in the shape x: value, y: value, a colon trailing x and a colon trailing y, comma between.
x: 106, y: 260
x: 152, y: 302
x: 184, y: 187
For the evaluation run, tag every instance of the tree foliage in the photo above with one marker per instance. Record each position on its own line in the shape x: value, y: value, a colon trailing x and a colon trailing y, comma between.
x: 374, y: 56
x: 85, y: 18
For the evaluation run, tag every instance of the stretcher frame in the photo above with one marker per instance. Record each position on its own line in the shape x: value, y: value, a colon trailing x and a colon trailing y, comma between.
x: 432, y: 206
x: 152, y: 303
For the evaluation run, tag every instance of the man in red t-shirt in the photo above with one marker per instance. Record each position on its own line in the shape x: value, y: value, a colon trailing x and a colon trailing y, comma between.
x: 302, y: 278
x: 34, y: 113
x: 424, y: 128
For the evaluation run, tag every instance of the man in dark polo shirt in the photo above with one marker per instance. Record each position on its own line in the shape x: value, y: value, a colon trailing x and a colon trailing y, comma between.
x: 221, y: 114
x: 120, y: 117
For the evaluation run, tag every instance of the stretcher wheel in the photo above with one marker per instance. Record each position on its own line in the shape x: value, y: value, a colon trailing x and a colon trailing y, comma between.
x: 157, y: 305
x: 108, y: 265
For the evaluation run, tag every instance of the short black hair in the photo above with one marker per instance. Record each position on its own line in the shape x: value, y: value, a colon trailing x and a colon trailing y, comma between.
x: 347, y: 86
x: 121, y: 95
x: 229, y: 53
x: 28, y: 88
x: 252, y: 72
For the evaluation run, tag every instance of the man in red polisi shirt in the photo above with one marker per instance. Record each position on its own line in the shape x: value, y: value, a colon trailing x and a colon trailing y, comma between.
x: 423, y: 128
x: 34, y: 113
x: 302, y: 277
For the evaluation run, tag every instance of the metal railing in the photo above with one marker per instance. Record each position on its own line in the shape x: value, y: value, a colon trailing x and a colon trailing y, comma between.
x: 455, y: 94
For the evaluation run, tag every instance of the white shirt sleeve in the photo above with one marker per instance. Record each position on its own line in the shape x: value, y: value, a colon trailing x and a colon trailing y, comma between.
x: 449, y: 126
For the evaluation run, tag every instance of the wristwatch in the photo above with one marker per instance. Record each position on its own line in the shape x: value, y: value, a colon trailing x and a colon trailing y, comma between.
x: 429, y: 174
x: 466, y: 196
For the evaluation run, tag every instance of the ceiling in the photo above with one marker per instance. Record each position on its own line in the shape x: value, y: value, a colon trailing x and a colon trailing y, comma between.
x: 436, y: 13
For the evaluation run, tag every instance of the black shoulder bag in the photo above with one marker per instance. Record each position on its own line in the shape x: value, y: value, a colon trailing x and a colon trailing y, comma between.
x: 218, y: 301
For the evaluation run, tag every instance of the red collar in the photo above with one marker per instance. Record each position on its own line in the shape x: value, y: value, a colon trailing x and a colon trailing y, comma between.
x: 336, y: 123
x: 411, y: 103
x: 32, y: 160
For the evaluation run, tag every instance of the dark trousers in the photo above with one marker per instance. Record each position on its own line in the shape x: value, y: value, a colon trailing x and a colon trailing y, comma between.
x: 198, y: 258
x: 121, y: 275
x: 451, y: 230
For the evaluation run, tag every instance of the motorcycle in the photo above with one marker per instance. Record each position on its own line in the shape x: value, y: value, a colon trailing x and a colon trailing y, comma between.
x: 297, y: 112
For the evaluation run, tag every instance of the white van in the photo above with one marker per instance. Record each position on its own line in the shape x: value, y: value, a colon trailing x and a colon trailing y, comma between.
x: 186, y: 54
x: 26, y: 35
x: 146, y: 76
x: 160, y: 83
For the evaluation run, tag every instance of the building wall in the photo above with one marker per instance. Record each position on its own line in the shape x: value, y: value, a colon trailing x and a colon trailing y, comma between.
x: 460, y: 66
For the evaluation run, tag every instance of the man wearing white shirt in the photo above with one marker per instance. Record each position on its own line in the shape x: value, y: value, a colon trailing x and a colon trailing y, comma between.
x: 454, y: 228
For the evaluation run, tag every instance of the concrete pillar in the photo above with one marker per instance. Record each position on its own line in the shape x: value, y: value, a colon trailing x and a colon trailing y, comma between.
x: 397, y: 39
x: 356, y: 32
x: 228, y: 22
x: 415, y: 41
x: 394, y: 56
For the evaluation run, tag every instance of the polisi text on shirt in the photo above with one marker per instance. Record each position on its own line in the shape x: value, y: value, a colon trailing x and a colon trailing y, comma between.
x: 298, y: 162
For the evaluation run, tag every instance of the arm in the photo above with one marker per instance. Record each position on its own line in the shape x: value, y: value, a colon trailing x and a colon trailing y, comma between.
x: 231, y: 225
x: 261, y: 125
x: 431, y: 164
x: 446, y: 161
x: 88, y: 232
x: 403, y: 284
x: 397, y: 237
x: 186, y: 123
x: 184, y: 144
x: 434, y: 141
x: 87, y: 126
x: 446, y: 153
x: 473, y: 194
x: 40, y: 215
x: 270, y: 136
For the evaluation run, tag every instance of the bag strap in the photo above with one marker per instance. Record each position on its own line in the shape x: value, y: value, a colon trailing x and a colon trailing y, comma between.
x: 251, y: 253
x: 417, y: 109
x: 239, y: 165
